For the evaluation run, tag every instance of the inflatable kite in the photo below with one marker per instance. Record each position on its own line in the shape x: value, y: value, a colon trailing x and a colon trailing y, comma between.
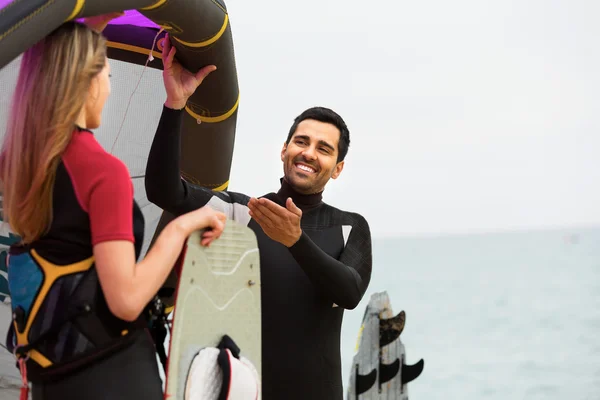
x: 201, y: 32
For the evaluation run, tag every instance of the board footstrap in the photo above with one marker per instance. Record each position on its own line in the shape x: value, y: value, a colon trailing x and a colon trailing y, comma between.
x: 221, y: 373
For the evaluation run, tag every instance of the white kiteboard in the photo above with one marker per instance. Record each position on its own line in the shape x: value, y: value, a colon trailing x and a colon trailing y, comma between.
x: 218, y: 296
x: 379, y: 370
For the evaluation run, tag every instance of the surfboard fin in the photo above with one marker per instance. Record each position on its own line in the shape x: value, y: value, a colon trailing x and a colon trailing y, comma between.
x: 365, y: 382
x: 412, y: 372
x: 387, y: 372
x: 391, y: 328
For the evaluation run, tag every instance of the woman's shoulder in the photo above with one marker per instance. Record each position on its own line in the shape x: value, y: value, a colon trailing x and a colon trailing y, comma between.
x: 86, y: 156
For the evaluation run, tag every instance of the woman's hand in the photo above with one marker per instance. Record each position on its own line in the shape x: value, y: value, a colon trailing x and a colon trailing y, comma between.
x: 214, y: 231
x: 99, y: 22
x: 180, y: 83
x: 204, y: 218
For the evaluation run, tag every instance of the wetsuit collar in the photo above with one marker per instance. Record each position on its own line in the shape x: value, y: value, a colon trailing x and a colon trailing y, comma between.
x: 303, y: 201
x: 80, y: 129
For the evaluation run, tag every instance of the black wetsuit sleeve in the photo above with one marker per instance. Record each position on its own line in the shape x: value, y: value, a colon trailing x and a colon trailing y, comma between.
x: 345, y: 280
x: 166, y: 188
x: 164, y: 185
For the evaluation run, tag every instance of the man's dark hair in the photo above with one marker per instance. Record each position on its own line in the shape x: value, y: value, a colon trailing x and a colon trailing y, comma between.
x: 328, y: 116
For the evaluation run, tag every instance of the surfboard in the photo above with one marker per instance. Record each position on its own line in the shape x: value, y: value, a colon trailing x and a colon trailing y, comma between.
x: 218, y: 295
x: 379, y: 369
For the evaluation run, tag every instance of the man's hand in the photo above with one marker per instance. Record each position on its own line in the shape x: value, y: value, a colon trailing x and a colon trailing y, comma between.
x: 179, y: 83
x: 279, y: 223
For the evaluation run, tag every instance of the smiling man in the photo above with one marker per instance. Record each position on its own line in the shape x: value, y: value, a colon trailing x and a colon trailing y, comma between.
x: 315, y: 259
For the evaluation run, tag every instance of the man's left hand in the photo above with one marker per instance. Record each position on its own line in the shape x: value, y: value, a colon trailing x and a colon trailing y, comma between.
x: 279, y: 223
x: 179, y: 83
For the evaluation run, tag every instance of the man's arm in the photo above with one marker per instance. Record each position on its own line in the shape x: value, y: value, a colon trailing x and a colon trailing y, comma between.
x: 344, y: 281
x: 166, y: 188
x: 164, y: 185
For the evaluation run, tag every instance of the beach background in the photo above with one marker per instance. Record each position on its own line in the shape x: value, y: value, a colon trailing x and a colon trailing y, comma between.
x: 496, y: 316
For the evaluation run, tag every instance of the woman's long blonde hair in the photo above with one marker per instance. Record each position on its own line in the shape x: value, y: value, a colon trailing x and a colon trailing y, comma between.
x: 52, y: 88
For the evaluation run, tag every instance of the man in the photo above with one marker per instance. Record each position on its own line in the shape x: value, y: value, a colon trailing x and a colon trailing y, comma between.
x: 315, y: 259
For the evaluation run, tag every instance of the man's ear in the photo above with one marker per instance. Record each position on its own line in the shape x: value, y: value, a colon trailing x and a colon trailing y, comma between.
x: 337, y: 170
x: 283, y: 151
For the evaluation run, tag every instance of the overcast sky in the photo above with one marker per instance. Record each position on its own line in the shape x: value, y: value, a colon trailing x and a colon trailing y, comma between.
x: 465, y: 115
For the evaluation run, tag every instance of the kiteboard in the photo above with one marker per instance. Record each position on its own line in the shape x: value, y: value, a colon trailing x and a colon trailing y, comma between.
x: 217, y: 306
x: 379, y: 370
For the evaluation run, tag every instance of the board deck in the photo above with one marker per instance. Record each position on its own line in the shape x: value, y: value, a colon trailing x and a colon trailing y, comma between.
x: 218, y: 293
x: 378, y: 368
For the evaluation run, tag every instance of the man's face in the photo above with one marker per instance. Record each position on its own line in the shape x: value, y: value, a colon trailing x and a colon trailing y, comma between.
x: 310, y: 159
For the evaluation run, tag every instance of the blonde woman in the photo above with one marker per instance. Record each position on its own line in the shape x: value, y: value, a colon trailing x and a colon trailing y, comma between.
x: 77, y: 290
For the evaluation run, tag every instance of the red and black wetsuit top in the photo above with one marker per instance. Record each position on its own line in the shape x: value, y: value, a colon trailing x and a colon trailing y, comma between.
x: 92, y: 202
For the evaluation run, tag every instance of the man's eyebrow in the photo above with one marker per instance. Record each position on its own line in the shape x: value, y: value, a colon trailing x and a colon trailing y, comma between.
x: 321, y: 142
x: 324, y: 143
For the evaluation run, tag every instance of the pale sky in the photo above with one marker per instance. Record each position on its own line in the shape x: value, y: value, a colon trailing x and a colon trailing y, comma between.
x: 464, y: 115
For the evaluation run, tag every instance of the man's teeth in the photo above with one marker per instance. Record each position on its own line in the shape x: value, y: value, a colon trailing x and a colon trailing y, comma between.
x: 305, y: 168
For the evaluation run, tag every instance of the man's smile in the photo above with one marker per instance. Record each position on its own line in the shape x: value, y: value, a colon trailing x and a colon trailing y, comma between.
x: 305, y: 168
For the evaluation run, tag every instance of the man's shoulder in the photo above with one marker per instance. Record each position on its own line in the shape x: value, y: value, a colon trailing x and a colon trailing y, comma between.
x: 353, y: 218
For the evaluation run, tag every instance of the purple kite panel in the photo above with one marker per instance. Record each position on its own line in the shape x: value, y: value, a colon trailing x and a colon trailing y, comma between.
x: 131, y: 17
x: 4, y: 3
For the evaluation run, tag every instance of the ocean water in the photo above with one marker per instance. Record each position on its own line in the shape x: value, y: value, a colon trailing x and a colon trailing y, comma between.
x: 497, y: 316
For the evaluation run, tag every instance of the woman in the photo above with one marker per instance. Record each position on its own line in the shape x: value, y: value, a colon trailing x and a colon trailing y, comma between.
x: 77, y: 293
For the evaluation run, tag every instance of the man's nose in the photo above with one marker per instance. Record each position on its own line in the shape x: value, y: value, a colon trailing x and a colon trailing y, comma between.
x: 310, y: 153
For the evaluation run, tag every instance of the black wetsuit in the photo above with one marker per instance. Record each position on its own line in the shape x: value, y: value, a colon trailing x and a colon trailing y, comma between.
x: 305, y: 288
